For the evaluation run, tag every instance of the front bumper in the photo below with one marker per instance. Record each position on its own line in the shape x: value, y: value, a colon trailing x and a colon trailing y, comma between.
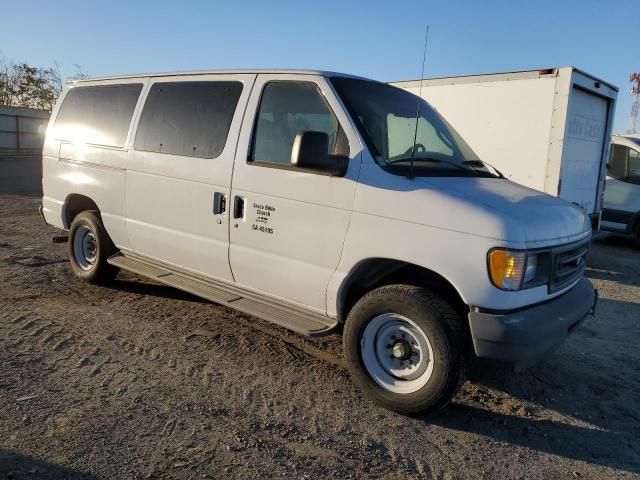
x: 526, y: 336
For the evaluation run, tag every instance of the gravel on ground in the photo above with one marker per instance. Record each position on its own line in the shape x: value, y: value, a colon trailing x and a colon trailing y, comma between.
x: 138, y: 380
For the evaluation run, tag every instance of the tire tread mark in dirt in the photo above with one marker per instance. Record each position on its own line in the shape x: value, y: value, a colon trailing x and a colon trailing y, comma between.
x: 169, y: 427
x: 60, y: 345
x: 97, y: 369
x: 295, y: 343
x: 17, y: 319
x: 51, y: 335
x: 29, y: 324
x: 39, y: 330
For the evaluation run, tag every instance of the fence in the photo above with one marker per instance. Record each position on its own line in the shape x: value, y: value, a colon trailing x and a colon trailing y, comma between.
x: 22, y: 129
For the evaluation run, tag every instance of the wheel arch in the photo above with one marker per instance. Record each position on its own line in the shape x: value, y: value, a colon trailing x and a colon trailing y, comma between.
x: 372, y: 273
x: 73, y: 205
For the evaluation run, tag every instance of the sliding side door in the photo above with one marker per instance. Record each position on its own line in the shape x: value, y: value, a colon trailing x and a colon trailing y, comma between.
x: 179, y: 170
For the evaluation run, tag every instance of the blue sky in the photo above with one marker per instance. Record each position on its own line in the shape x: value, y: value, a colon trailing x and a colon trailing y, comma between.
x: 377, y: 39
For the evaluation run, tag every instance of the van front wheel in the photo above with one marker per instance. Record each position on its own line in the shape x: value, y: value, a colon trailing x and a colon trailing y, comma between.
x: 402, y: 348
x: 89, y: 248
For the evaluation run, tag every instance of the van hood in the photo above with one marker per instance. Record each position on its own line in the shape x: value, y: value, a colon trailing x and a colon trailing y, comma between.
x: 489, y: 207
x: 541, y: 217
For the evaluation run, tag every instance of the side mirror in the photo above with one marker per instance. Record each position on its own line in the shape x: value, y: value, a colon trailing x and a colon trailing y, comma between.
x: 309, y: 152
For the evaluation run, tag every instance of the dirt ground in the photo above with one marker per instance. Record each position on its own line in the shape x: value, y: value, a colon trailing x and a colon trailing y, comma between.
x: 137, y: 380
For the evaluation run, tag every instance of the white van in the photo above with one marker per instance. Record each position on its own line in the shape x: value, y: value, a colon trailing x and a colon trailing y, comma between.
x: 621, y: 213
x: 315, y: 200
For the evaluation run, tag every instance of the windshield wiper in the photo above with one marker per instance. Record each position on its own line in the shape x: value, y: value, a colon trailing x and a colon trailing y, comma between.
x: 479, y: 163
x: 434, y: 160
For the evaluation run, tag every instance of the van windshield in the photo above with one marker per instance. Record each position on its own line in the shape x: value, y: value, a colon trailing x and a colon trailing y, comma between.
x: 386, y: 118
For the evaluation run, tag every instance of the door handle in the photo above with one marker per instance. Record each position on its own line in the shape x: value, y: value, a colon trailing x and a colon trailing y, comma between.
x: 219, y: 203
x: 238, y: 207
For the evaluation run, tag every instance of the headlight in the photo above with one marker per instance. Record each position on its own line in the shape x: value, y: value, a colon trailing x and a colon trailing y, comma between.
x: 507, y: 268
x: 517, y: 269
x: 530, y: 269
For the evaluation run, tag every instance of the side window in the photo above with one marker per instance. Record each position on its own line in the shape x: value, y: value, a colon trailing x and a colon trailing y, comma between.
x: 633, y: 169
x: 618, y: 161
x: 98, y: 115
x: 287, y: 108
x: 188, y: 118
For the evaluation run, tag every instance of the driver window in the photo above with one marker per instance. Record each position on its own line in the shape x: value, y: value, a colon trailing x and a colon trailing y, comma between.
x: 633, y: 175
x: 286, y: 109
x: 400, y: 131
x: 618, y: 161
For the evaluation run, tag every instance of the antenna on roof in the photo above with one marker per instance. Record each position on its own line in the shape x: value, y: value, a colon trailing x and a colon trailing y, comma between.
x: 415, y: 133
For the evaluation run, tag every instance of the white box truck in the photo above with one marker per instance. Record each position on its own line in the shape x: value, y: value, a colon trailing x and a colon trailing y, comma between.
x: 546, y: 129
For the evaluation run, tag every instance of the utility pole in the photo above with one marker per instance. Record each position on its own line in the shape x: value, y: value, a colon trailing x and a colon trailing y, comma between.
x: 634, y: 78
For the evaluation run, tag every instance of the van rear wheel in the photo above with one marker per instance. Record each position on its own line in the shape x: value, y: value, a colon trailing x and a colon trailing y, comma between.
x: 402, y: 348
x: 89, y: 248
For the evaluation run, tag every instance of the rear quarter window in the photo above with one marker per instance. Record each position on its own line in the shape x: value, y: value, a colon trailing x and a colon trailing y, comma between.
x: 188, y: 118
x: 97, y: 115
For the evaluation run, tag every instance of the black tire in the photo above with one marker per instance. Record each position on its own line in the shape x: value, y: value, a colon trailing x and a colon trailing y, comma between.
x: 439, y: 323
x: 98, y: 270
x: 636, y: 234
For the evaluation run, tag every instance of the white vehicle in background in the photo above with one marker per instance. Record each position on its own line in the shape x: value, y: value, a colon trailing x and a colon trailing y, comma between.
x: 621, y: 213
x: 545, y: 129
x: 314, y: 199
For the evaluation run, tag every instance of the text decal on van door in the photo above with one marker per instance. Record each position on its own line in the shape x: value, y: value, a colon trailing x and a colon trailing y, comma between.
x: 263, y: 215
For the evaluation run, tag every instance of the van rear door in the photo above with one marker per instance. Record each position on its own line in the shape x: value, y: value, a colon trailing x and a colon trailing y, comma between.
x: 584, y: 149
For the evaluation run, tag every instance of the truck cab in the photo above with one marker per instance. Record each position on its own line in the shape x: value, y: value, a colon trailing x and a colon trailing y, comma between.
x: 322, y: 202
x: 621, y: 213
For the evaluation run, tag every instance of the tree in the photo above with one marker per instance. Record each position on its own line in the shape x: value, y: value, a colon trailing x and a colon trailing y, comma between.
x: 79, y: 74
x: 36, y: 87
x: 22, y: 85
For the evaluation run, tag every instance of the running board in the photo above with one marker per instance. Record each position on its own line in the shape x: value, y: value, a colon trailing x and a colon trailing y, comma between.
x: 278, y: 312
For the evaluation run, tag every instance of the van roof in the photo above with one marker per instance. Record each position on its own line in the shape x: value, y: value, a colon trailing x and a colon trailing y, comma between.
x: 324, y: 73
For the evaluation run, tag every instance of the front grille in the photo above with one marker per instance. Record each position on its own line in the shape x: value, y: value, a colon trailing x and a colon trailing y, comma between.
x: 568, y: 263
